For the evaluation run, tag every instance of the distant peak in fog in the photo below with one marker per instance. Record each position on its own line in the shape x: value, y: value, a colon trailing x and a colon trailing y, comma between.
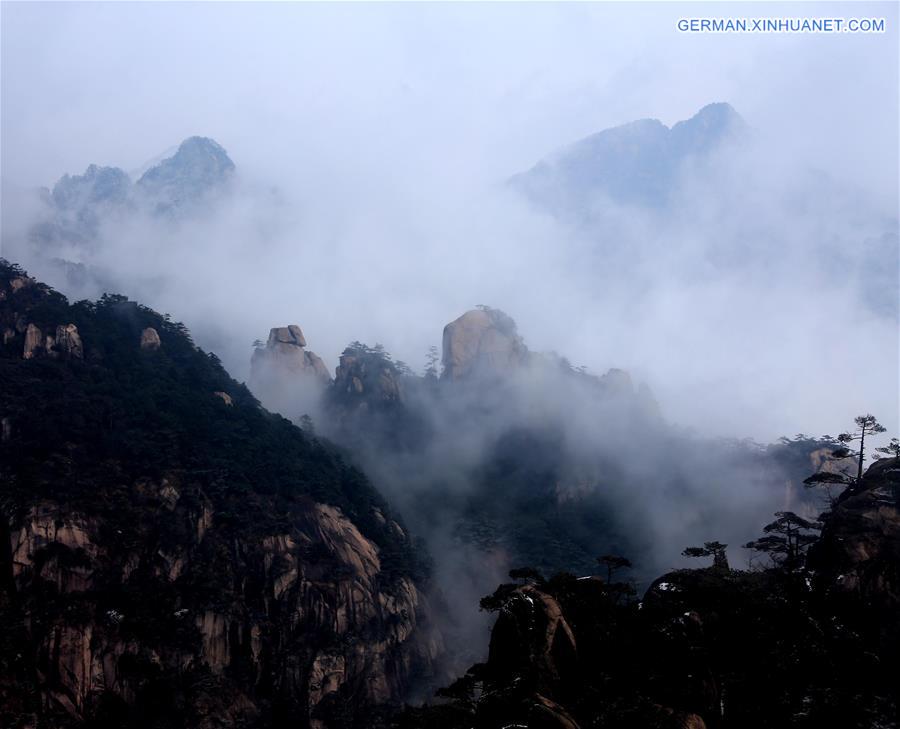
x: 709, y: 126
x: 199, y: 166
x: 96, y: 185
x: 78, y: 205
x: 634, y: 163
x: 195, y: 156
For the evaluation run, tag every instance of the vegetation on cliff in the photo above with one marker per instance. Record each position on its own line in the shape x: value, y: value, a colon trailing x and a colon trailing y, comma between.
x: 173, y: 554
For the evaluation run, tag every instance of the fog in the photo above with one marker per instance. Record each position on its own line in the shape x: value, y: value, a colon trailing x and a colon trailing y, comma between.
x: 372, y: 143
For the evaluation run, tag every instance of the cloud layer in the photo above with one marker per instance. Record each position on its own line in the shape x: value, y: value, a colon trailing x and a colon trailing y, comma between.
x: 372, y: 143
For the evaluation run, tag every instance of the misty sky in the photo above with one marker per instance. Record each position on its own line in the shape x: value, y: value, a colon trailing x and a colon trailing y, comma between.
x: 481, y: 89
x: 383, y: 125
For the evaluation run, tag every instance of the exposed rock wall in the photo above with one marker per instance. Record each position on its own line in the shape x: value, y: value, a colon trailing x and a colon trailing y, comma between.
x: 66, y: 342
x: 300, y: 614
x: 481, y: 342
x: 150, y: 340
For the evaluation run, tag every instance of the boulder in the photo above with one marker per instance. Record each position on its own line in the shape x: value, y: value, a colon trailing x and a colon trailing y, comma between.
x: 291, y: 334
x: 370, y: 379
x: 482, y: 342
x: 285, y: 354
x: 150, y: 339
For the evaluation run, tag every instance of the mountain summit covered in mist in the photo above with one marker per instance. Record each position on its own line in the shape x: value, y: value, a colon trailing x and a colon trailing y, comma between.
x: 500, y: 456
x: 78, y: 206
x: 636, y: 163
x: 199, y: 167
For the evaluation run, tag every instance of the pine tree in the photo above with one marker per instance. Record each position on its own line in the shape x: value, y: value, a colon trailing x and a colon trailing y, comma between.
x: 786, y: 540
x: 716, y: 550
x: 866, y: 425
x: 431, y: 363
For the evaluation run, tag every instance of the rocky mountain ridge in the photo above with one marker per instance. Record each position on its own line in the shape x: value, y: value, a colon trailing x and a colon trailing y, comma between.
x: 515, y: 457
x: 173, y: 555
x: 635, y: 164
x: 73, y: 218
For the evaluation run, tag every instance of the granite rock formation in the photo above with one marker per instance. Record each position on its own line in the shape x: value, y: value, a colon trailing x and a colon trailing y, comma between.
x: 482, y: 342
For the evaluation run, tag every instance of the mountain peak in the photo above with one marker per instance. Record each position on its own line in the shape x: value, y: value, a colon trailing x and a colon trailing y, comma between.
x: 637, y: 163
x: 96, y: 185
x: 200, y: 166
x: 713, y: 123
x: 715, y: 110
x: 198, y: 148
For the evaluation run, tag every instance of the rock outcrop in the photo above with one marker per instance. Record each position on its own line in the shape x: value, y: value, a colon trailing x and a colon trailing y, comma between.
x: 555, y: 650
x: 285, y: 356
x: 366, y: 381
x: 34, y: 342
x: 482, y: 342
x: 287, y: 377
x: 372, y: 406
x: 66, y: 343
x: 150, y: 340
x: 308, y: 627
x: 532, y: 631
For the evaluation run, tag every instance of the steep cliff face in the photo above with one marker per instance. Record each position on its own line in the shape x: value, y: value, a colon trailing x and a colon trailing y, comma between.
x: 172, y: 554
x: 290, y: 615
x: 859, y: 554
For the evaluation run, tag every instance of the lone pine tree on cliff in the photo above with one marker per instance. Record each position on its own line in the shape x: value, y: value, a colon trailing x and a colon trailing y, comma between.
x: 866, y: 425
x: 716, y: 550
x: 786, y: 540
